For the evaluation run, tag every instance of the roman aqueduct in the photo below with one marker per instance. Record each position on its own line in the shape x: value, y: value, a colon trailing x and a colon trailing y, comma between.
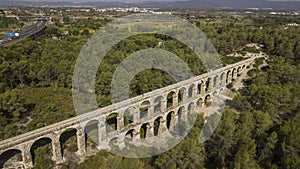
x: 172, y: 103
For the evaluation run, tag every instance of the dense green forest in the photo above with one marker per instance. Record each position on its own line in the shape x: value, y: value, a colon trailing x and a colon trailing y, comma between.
x: 260, y: 127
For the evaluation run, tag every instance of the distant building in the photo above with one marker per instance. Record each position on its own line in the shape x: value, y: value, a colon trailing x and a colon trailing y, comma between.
x: 292, y: 24
x: 12, y: 16
x: 66, y: 33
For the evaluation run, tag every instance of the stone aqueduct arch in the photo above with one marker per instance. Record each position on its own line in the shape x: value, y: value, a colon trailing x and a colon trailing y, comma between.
x: 174, y: 103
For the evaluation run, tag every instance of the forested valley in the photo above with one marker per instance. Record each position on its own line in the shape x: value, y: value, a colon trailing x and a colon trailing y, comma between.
x: 260, y: 127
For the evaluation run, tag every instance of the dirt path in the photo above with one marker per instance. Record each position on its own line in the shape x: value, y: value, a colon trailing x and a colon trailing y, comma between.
x: 238, y: 83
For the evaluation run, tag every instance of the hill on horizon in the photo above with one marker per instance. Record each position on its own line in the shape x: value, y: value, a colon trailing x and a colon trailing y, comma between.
x: 177, y: 4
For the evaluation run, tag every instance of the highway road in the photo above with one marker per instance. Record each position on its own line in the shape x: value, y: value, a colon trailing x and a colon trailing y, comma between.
x: 27, y: 31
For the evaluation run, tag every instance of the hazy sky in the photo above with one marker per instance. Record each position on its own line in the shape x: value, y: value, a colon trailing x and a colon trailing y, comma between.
x: 129, y: 0
x: 96, y: 0
x: 132, y: 0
